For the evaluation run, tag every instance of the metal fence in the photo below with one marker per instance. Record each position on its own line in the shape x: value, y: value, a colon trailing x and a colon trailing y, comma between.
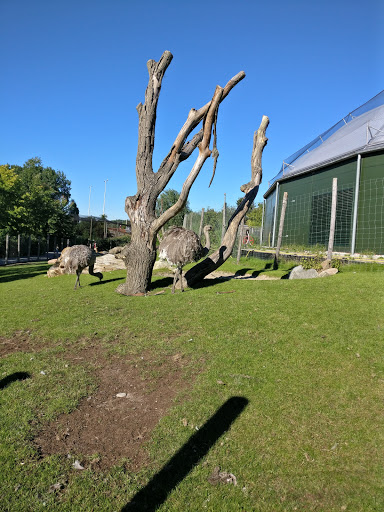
x: 247, y: 236
x: 24, y: 248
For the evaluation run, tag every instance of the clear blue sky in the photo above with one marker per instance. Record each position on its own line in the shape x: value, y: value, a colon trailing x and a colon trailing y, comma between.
x: 74, y: 71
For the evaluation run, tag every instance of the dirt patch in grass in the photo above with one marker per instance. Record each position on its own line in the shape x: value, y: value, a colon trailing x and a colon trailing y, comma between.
x: 21, y: 341
x: 116, y: 421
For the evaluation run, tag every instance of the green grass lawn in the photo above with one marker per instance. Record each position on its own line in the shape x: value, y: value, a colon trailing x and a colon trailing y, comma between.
x: 284, y: 389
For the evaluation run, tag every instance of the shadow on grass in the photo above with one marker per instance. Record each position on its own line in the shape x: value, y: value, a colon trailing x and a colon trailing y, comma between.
x: 16, y: 272
x: 13, y: 378
x: 97, y: 283
x: 177, y: 468
x: 243, y: 271
x: 161, y: 283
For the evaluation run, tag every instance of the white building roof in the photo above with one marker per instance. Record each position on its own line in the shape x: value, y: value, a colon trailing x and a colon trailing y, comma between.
x: 360, y: 132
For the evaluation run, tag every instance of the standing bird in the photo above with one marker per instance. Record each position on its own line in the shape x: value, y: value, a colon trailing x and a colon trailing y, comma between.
x: 181, y: 246
x: 76, y: 259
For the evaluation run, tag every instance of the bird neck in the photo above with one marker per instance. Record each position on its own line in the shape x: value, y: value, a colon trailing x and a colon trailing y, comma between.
x: 207, y: 240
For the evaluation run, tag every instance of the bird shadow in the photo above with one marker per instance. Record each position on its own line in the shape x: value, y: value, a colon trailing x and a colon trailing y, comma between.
x: 98, y: 283
x: 181, y: 464
x: 13, y: 378
x: 161, y: 283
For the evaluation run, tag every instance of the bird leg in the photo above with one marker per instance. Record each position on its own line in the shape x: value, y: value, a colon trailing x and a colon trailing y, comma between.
x: 178, y: 275
x: 77, y: 281
x: 175, y: 279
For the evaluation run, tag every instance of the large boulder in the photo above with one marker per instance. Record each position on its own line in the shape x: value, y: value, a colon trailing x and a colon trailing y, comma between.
x: 300, y: 273
x: 107, y: 263
x: 116, y: 250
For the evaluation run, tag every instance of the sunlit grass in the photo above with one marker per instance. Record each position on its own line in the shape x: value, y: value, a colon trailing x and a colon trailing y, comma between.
x: 307, y: 355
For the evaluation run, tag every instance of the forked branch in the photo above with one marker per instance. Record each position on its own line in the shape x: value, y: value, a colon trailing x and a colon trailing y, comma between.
x: 211, y: 263
x: 204, y: 153
x: 181, y: 150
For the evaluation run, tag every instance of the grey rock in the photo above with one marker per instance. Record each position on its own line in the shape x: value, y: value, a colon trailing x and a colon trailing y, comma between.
x: 299, y: 273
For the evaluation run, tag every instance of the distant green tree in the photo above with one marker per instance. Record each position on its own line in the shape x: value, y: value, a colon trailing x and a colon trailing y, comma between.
x: 167, y: 199
x: 37, y: 200
x: 254, y: 216
x: 84, y: 229
x: 9, y: 193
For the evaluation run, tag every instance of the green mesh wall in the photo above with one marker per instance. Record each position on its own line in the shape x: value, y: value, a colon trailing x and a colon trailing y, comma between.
x: 309, y: 205
x: 370, y: 218
x: 308, y: 211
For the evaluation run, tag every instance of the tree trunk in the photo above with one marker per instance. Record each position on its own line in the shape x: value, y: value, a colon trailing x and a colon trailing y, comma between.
x: 211, y: 263
x: 140, y: 254
x: 139, y: 260
x: 215, y: 260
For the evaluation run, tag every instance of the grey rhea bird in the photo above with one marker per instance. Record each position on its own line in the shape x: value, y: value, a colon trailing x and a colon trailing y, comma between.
x: 77, y: 258
x: 181, y: 246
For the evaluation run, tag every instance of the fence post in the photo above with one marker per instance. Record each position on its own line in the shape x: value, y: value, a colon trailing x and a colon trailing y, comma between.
x: 38, y: 249
x: 224, y: 212
x: 18, y: 247
x: 6, y: 249
x: 281, y: 226
x: 48, y: 236
x: 185, y: 221
x: 333, y: 219
x: 90, y: 231
x: 29, y: 248
x: 241, y: 228
x: 201, y: 222
x: 275, y: 215
x: 356, y: 205
x: 262, y: 224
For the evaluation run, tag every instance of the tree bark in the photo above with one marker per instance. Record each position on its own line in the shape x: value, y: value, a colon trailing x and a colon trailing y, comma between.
x: 140, y: 254
x: 211, y: 263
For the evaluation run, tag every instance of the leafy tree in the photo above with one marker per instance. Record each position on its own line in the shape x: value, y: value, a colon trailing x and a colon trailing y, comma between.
x: 255, y: 214
x: 84, y: 229
x: 167, y: 199
x: 37, y: 200
x: 9, y: 192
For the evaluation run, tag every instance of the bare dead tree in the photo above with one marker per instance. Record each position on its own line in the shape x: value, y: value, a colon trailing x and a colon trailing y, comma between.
x: 140, y: 254
x: 250, y: 189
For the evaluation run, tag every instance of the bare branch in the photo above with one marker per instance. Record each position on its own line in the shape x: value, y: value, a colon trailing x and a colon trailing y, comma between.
x: 167, y: 167
x: 190, y: 146
x: 259, y: 143
x: 147, y: 118
x: 204, y: 153
x: 215, y: 152
x: 205, y: 267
